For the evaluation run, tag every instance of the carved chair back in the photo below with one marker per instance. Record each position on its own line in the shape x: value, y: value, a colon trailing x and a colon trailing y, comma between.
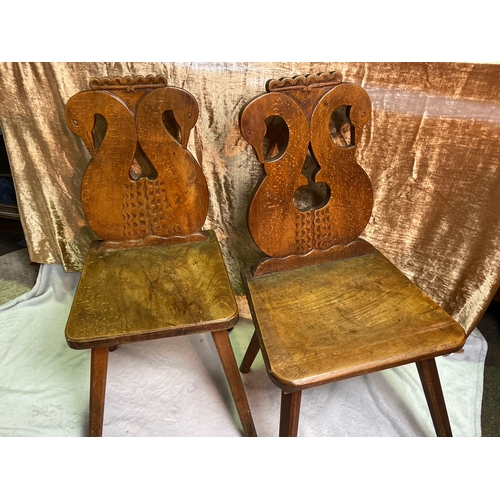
x: 142, y: 184
x: 314, y: 199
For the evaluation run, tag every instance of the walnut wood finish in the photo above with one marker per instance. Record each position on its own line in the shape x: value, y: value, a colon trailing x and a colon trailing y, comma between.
x: 323, y: 232
x: 226, y: 354
x: 344, y: 318
x: 327, y: 305
x: 429, y: 376
x: 142, y: 181
x: 98, y: 374
x: 290, y: 411
x: 164, y: 291
x: 153, y: 273
x: 250, y: 354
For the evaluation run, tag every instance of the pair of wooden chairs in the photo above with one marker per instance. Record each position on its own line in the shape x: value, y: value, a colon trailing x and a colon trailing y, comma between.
x: 326, y: 305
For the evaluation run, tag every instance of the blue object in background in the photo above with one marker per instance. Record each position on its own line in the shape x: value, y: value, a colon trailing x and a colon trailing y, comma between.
x: 7, y: 193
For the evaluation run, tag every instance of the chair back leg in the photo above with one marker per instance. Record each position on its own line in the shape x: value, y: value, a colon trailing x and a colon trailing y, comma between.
x: 250, y: 355
x: 429, y: 377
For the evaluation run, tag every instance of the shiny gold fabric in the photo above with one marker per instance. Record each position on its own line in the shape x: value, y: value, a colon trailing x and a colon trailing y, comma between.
x: 431, y: 151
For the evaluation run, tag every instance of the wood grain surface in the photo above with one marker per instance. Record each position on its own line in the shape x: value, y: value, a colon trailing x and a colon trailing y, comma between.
x: 152, y: 292
x: 293, y: 236
x: 344, y: 318
x: 153, y: 273
x: 141, y: 181
x: 326, y: 304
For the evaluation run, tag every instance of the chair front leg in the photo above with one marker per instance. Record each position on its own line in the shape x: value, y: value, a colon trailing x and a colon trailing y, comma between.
x: 226, y: 355
x: 98, y: 373
x: 290, y: 410
x: 429, y: 377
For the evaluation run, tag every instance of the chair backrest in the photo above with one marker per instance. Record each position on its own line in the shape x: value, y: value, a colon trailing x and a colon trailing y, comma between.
x: 142, y: 184
x: 313, y: 200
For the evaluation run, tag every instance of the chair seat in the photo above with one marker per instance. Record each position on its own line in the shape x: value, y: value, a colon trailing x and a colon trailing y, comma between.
x: 145, y: 293
x: 344, y: 318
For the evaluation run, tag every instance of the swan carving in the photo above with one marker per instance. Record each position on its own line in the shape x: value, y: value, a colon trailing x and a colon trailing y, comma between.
x: 288, y: 235
x: 172, y: 201
x: 107, y: 177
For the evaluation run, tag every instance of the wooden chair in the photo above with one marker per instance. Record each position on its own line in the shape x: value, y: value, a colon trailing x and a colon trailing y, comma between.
x: 325, y: 303
x: 153, y: 273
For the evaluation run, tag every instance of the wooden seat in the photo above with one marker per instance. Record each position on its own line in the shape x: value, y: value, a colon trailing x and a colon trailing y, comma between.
x: 325, y: 303
x: 153, y: 273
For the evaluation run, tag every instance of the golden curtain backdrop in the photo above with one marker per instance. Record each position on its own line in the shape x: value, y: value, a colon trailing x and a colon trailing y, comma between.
x: 431, y: 151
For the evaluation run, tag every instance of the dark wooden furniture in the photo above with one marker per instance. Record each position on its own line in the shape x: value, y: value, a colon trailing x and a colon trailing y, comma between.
x: 325, y: 303
x: 153, y: 273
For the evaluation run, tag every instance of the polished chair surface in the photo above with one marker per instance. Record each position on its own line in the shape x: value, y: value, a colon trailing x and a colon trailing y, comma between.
x: 151, y: 272
x: 326, y: 304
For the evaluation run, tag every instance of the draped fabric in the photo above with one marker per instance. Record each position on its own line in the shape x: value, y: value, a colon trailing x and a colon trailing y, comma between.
x: 430, y: 150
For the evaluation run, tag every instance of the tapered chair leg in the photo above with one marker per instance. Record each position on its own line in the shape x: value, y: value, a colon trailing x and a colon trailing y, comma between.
x: 429, y: 377
x: 226, y: 355
x: 290, y: 410
x: 98, y: 373
x: 252, y: 351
